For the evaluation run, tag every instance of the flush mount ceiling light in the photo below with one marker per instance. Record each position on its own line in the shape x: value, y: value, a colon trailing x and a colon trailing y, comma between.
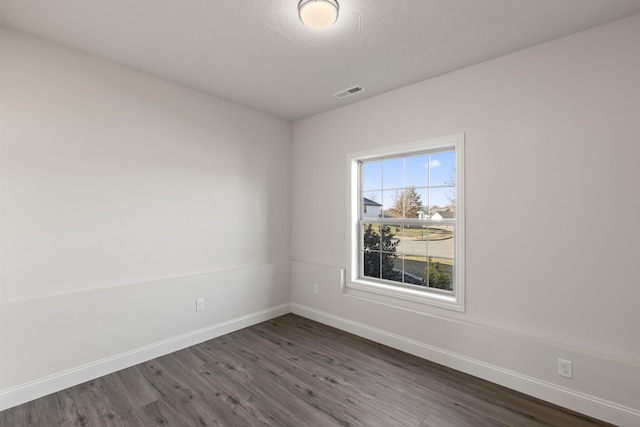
x: 318, y: 13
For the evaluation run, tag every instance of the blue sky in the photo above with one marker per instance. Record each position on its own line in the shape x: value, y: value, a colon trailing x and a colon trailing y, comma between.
x: 429, y: 173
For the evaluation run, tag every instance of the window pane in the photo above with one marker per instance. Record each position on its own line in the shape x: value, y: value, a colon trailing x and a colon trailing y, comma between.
x: 412, y: 202
x: 380, y: 246
x: 440, y: 251
x: 370, y: 237
x: 442, y: 169
x: 371, y: 176
x: 441, y: 199
x: 371, y: 266
x: 414, y: 244
x: 371, y: 204
x: 393, y: 204
x: 406, y: 203
x: 392, y: 267
x: 414, y: 269
x: 393, y: 172
x: 417, y: 203
x: 417, y: 171
x: 371, y: 250
x: 390, y: 236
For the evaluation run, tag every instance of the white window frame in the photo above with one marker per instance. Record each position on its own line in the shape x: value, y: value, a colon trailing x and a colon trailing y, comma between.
x: 354, y: 281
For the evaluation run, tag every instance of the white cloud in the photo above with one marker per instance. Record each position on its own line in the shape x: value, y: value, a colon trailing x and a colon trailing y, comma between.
x: 432, y: 164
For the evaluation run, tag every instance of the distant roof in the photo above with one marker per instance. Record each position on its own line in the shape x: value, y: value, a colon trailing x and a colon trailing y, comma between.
x: 368, y: 202
x: 445, y: 213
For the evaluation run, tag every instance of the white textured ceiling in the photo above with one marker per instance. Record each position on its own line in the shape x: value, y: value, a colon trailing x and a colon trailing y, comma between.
x: 257, y: 53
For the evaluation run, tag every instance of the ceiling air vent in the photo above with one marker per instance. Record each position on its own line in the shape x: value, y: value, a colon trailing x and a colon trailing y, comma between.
x: 348, y: 92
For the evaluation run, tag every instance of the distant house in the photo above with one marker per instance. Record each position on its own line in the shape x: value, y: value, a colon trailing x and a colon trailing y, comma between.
x: 372, y: 209
x: 442, y: 213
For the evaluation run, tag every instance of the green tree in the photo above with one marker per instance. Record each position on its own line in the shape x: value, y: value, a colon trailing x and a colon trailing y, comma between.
x: 406, y: 204
x: 435, y: 277
x: 380, y: 253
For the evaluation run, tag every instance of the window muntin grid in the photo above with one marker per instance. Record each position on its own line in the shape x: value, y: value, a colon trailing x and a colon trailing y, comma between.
x: 411, y: 241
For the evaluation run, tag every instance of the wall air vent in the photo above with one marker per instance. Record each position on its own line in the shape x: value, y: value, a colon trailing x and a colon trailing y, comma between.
x: 348, y: 92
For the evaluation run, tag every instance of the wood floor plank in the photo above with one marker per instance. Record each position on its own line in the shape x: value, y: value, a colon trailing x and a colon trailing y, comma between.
x: 300, y: 382
x: 541, y: 411
x: 290, y: 371
x: 287, y: 403
x: 100, y: 403
x: 185, y: 400
x: 363, y: 411
x: 323, y: 351
x: 134, y: 388
x: 164, y: 413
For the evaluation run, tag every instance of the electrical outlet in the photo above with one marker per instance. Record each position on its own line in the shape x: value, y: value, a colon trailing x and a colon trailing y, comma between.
x: 565, y: 368
x: 316, y: 289
x: 200, y: 304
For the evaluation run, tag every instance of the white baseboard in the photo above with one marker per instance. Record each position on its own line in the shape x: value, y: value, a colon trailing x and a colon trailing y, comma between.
x: 53, y: 383
x: 589, y: 405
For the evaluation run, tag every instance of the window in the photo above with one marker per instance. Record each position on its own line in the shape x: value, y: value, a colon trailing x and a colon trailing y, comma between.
x: 412, y: 247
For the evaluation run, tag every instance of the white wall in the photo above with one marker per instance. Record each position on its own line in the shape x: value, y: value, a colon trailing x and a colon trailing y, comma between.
x: 551, y: 143
x: 123, y: 199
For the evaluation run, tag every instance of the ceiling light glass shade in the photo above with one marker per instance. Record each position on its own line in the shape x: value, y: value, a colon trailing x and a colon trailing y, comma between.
x: 318, y: 13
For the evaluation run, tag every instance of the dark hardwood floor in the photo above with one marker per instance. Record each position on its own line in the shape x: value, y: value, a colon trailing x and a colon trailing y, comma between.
x: 289, y: 371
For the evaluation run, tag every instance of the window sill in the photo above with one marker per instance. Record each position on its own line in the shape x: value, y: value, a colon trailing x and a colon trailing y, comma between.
x: 451, y: 302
